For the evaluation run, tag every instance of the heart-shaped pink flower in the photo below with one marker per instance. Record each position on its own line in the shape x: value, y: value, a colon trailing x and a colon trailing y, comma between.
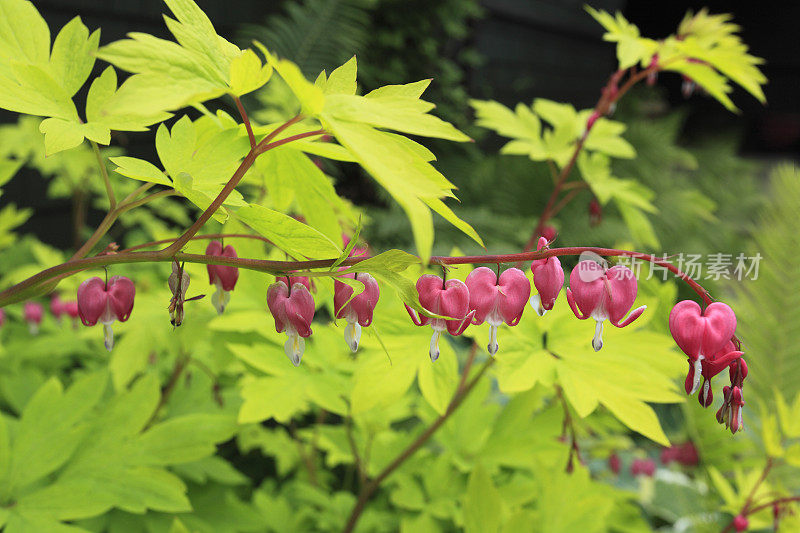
x: 293, y: 310
x: 548, y: 278
x: 33, y: 313
x: 358, y: 309
x: 450, y: 299
x: 497, y: 301
x: 601, y: 294
x: 223, y: 277
x: 701, y: 333
x: 105, y: 302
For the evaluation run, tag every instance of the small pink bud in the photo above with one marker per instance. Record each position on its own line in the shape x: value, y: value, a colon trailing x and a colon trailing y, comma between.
x: 685, y: 454
x: 548, y: 278
x: 740, y: 523
x: 357, y: 310
x: 32, y: 313
x: 450, y: 299
x: 549, y: 233
x: 223, y: 277
x: 700, y: 334
x: 103, y: 302
x: 56, y: 307
x: 603, y: 295
x: 595, y: 212
x: 497, y: 301
x: 293, y: 310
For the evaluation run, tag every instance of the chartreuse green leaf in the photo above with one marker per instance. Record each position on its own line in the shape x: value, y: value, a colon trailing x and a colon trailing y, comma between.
x: 290, y: 235
x: 60, y: 134
x: 311, y: 97
x: 408, y: 177
x: 631, y: 48
x: 484, y: 509
x: 706, y: 77
x: 73, y: 55
x: 132, y: 107
x: 590, y: 503
x: 103, y: 456
x: 313, y: 192
x: 343, y: 79
x: 209, y: 154
x: 203, y: 195
x: 139, y: 169
x: 248, y: 74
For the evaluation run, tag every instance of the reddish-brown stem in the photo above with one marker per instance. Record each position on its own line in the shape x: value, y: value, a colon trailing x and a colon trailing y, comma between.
x: 607, y: 99
x: 777, y: 501
x: 274, y: 144
x: 229, y: 187
x: 569, y: 426
x: 369, y: 489
x: 246, y: 120
x: 20, y: 290
x: 749, y: 501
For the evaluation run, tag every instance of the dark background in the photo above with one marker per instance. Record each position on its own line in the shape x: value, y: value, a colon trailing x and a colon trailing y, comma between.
x: 530, y: 48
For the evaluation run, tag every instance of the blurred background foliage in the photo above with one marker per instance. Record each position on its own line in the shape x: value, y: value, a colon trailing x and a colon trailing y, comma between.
x: 480, y: 472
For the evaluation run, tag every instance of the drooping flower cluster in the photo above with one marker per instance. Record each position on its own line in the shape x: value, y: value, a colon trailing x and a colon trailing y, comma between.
x: 706, y: 336
x: 105, y: 302
x: 292, y: 307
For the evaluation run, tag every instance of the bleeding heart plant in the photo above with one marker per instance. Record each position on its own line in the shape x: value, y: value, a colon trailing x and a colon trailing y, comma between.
x: 106, y: 302
x: 496, y: 300
x: 223, y: 277
x: 444, y: 298
x: 292, y: 307
x: 356, y: 310
x: 601, y: 294
x: 548, y: 278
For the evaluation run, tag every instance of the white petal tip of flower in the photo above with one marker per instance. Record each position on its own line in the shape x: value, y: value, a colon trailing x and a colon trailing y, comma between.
x: 352, y: 335
x: 536, y: 303
x: 294, y: 348
x: 108, y: 337
x: 698, y: 373
x: 597, y: 340
x: 434, y: 351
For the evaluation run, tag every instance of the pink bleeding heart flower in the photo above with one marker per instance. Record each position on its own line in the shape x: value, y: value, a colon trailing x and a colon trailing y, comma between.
x: 71, y: 309
x: 548, y: 278
x: 700, y: 334
x: 358, y: 309
x: 497, y: 301
x: 32, y: 313
x: 223, y: 277
x: 446, y: 298
x: 643, y: 467
x: 292, y: 307
x: 105, y: 302
x: 685, y: 454
x: 601, y: 294
x: 56, y: 307
x: 740, y: 523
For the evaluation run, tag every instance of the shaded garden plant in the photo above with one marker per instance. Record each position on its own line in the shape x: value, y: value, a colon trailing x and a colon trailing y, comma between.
x: 258, y: 182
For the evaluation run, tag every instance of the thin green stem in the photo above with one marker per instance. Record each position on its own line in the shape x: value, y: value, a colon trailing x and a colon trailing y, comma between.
x: 369, y: 489
x: 112, y: 200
